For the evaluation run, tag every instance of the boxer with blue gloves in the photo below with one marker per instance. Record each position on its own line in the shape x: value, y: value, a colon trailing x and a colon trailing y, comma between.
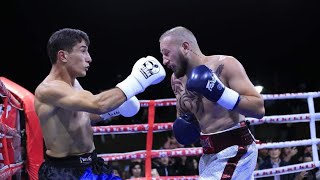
x: 204, y: 81
x: 186, y: 129
x: 214, y: 94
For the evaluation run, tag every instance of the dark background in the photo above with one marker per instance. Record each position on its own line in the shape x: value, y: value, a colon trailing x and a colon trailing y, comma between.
x: 276, y: 41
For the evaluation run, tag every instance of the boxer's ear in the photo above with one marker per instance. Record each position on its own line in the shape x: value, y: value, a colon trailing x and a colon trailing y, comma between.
x: 62, y: 56
x: 185, y: 45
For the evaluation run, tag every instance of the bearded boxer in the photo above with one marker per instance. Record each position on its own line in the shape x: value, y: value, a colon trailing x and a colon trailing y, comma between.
x: 66, y: 110
x: 214, y: 94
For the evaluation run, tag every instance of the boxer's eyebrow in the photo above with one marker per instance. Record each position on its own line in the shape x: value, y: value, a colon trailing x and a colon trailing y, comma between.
x: 164, y: 51
x: 83, y: 47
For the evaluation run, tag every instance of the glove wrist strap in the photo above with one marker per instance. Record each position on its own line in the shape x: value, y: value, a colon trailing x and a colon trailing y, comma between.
x: 110, y: 114
x: 130, y: 86
x: 229, y: 99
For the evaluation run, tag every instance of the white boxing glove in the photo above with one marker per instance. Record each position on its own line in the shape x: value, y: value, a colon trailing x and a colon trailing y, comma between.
x: 145, y: 72
x: 127, y: 109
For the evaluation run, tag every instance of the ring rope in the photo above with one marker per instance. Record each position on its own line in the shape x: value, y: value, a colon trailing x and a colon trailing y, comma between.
x: 17, y: 99
x: 313, y: 135
x: 8, y: 170
x: 7, y: 133
x: 25, y: 105
x: 160, y: 127
x: 310, y: 117
x: 4, y: 92
x: 300, y: 95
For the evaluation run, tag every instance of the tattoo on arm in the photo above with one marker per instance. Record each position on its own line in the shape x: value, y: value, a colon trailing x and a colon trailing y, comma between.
x: 219, y: 70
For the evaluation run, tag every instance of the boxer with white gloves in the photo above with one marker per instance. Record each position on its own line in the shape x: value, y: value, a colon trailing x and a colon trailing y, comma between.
x: 128, y: 109
x: 145, y: 72
x: 66, y: 111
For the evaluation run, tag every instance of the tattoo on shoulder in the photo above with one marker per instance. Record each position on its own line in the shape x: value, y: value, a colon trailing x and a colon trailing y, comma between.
x: 176, y: 85
x: 218, y: 71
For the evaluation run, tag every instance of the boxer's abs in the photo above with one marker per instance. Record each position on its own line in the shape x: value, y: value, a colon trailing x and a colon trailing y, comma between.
x: 62, y: 140
x: 67, y: 148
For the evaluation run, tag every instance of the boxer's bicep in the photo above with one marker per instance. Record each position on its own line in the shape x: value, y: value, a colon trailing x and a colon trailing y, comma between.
x: 238, y: 79
x: 251, y: 102
x: 82, y: 100
x: 62, y: 95
x: 65, y: 97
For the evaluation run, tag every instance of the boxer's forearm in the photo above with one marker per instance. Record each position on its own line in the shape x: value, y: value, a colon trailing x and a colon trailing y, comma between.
x: 251, y: 106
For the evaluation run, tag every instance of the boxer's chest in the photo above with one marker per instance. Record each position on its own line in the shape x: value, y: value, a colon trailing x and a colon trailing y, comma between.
x: 187, y: 101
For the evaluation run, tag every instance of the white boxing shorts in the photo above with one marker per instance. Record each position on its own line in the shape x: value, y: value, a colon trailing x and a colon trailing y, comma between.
x: 228, y: 155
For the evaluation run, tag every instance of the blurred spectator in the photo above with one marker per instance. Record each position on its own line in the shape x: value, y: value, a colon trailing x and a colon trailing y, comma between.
x: 117, y: 171
x: 126, y: 169
x: 307, y: 175
x: 305, y: 150
x: 154, y: 172
x: 263, y: 154
x: 164, y: 167
x: 186, y: 165
x: 289, y: 154
x: 274, y: 161
x: 172, y: 143
x: 136, y: 170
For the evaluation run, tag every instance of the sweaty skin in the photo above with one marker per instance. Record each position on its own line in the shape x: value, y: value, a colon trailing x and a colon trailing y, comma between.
x: 65, y: 132
x: 181, y: 53
x: 66, y: 110
x: 211, y: 116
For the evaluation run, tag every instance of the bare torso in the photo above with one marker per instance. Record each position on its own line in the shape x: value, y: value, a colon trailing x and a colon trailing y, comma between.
x: 65, y: 132
x: 211, y: 116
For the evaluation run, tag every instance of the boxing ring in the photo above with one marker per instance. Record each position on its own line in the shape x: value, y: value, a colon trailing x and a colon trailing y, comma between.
x: 19, y: 122
x: 311, y: 117
x: 21, y: 100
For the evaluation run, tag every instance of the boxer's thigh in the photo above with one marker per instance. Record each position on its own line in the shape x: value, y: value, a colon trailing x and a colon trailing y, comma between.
x: 247, y: 164
x: 211, y: 166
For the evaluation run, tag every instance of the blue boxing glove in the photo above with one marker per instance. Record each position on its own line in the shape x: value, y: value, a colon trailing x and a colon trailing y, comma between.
x: 204, y: 81
x: 186, y: 129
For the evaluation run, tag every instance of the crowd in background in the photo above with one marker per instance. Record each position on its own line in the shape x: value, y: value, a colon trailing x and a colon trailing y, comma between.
x: 268, y: 158
x: 188, y: 165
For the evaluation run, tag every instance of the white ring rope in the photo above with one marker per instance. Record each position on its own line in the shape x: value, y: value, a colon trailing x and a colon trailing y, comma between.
x: 300, y: 95
x: 284, y: 170
x: 6, y: 130
x: 5, y: 170
x: 310, y: 117
x: 159, y: 127
x: 4, y: 92
x: 127, y: 129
